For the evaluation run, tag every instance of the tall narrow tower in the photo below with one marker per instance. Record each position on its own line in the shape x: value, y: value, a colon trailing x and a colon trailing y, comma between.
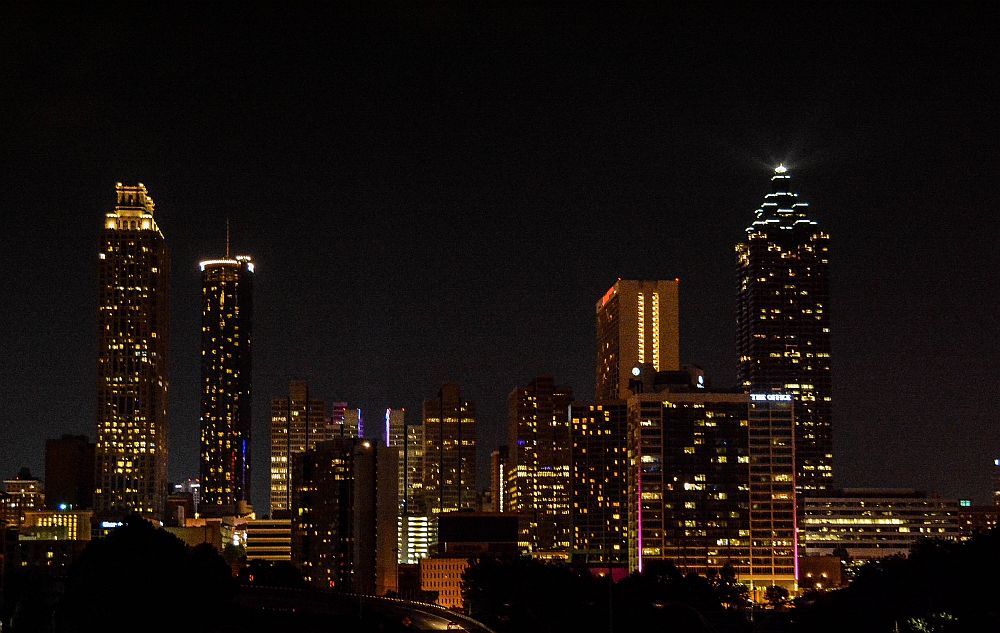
x: 132, y: 319
x: 226, y: 398
x: 539, y: 476
x: 783, y: 322
x: 449, y: 451
x: 637, y: 324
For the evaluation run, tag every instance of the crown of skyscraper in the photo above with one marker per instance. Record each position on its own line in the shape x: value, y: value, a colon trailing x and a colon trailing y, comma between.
x: 782, y: 210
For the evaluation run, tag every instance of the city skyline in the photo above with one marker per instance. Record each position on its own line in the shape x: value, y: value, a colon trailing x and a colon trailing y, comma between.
x: 410, y: 260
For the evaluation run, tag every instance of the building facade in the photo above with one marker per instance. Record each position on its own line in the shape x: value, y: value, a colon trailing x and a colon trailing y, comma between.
x: 638, y: 323
x: 23, y: 494
x: 783, y: 322
x: 69, y: 473
x: 875, y: 523
x: 449, y: 452
x: 344, y: 515
x: 73, y: 525
x: 269, y: 540
x: 133, y: 276
x: 298, y: 423
x: 599, y: 460
x: 539, y: 472
x: 226, y: 384
x: 711, y: 483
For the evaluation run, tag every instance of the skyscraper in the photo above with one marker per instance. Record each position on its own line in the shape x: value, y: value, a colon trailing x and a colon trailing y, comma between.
x: 539, y: 472
x: 637, y: 324
x: 298, y: 422
x: 395, y: 437
x: 132, y: 324
x: 416, y: 529
x: 226, y: 399
x: 783, y: 324
x: 599, y: 516
x: 344, y: 497
x: 449, y: 451
x: 710, y: 482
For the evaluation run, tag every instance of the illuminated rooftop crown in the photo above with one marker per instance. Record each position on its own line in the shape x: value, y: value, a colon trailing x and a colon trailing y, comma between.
x: 781, y: 210
x: 133, y: 198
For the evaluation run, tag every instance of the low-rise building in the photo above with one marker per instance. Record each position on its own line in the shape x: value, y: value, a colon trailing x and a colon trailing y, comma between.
x: 75, y: 525
x: 269, y: 539
x: 875, y: 523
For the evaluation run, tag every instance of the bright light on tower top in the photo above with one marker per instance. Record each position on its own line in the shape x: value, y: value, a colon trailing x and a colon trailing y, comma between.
x: 780, y: 169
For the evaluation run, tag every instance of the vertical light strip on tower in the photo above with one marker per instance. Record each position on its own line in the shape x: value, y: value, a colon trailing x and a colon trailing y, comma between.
x: 656, y: 331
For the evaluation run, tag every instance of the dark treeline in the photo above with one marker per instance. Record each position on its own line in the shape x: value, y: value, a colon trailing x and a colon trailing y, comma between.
x: 143, y: 578
x: 530, y: 596
x: 943, y: 587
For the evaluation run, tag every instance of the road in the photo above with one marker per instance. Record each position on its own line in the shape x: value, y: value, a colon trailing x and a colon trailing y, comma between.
x: 366, y: 612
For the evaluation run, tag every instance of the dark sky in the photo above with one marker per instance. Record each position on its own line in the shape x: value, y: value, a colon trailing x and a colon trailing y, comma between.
x: 444, y: 193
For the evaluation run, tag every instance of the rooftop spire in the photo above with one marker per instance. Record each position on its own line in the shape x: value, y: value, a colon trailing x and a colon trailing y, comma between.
x: 227, y: 237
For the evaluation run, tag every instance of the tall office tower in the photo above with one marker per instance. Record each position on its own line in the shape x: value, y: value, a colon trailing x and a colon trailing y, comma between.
x: 354, y: 422
x: 69, y: 473
x: 449, y: 451
x: 539, y: 473
x: 298, y: 422
x: 413, y: 465
x: 394, y: 436
x: 783, y: 326
x: 499, y: 467
x: 132, y: 322
x: 226, y: 397
x: 338, y: 420
x: 416, y: 530
x: 598, y: 515
x: 637, y: 324
x: 344, y: 504
x: 710, y: 483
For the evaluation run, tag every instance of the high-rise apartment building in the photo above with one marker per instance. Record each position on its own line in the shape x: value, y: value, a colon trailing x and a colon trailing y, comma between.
x: 226, y: 396
x: 711, y: 482
x: 599, y: 511
x: 69, y: 473
x: 539, y: 473
x: 449, y: 451
x: 132, y: 324
x: 783, y: 333
x: 23, y: 493
x: 638, y: 324
x: 344, y: 519
x: 298, y: 422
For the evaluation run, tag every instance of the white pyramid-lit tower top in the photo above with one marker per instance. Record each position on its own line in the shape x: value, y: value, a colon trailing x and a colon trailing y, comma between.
x: 782, y: 209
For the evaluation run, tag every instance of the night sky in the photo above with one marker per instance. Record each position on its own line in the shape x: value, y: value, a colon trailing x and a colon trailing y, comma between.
x: 443, y: 194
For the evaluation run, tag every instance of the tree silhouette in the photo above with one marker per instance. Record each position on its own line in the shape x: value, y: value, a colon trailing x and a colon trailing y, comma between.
x: 141, y: 577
